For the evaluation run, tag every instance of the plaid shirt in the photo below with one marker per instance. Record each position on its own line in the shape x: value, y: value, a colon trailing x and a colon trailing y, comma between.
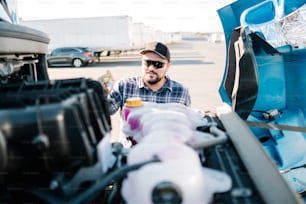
x: 170, y: 92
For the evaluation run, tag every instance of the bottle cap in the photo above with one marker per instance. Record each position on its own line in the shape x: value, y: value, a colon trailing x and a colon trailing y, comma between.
x: 133, y: 102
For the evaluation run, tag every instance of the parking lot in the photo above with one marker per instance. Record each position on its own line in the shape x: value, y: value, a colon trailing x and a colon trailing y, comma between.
x: 197, y: 64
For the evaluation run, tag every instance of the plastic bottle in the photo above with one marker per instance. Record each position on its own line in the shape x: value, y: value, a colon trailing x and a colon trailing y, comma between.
x: 107, y: 81
x: 143, y: 122
x: 179, y: 166
x: 132, y: 127
x: 130, y: 104
x: 196, y: 117
x: 141, y: 118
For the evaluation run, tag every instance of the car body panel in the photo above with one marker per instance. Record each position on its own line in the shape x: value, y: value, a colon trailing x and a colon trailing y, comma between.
x: 264, y: 76
x: 29, y: 40
x: 22, y: 51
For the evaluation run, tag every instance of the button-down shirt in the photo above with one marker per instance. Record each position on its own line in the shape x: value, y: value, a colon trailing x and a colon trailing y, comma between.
x: 170, y: 92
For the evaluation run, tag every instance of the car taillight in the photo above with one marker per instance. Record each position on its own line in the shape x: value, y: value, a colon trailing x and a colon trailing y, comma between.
x: 87, y: 54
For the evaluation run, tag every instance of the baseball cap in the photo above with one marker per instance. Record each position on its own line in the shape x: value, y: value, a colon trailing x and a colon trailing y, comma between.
x: 158, y: 48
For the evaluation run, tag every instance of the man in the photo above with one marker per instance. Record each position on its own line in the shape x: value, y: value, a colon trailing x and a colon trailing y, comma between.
x: 154, y: 84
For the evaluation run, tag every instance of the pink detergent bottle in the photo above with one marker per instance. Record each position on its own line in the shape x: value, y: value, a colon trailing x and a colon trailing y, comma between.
x: 130, y: 104
x: 131, y: 126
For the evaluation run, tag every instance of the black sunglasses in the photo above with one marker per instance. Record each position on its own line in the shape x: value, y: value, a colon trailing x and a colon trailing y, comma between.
x: 156, y: 64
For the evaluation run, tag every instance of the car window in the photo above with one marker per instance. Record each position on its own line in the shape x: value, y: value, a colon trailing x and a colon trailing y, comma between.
x: 83, y: 49
x: 5, y: 13
x: 69, y: 50
x: 56, y: 52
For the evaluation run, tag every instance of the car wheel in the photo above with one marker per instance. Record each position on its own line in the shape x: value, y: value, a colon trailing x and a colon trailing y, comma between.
x: 77, y: 62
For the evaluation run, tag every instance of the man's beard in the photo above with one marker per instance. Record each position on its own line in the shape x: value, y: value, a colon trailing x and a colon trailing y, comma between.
x: 153, y: 81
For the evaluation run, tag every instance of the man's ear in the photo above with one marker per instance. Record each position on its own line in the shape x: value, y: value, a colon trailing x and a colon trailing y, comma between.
x: 168, y: 65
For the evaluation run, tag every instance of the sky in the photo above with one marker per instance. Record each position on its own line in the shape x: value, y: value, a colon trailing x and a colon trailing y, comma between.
x: 164, y: 15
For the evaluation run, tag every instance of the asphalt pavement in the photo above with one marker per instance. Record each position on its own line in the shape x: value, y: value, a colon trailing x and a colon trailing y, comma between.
x: 197, y: 64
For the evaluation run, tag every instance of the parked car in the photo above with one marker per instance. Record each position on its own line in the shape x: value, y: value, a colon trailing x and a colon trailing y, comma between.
x: 70, y: 56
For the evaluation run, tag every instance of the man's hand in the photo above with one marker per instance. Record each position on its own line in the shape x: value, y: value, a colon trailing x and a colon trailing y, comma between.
x: 107, y: 81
